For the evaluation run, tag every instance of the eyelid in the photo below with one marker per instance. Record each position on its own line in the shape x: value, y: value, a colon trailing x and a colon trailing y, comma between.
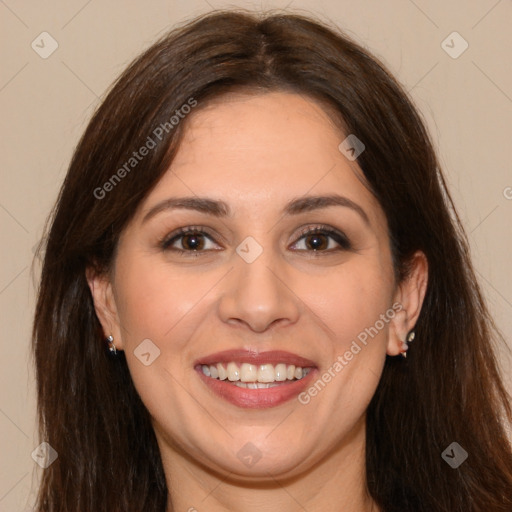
x: 338, y: 236
x: 167, y: 240
x: 341, y: 239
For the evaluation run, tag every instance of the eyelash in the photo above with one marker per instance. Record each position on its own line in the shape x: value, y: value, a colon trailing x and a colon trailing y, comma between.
x: 337, y: 236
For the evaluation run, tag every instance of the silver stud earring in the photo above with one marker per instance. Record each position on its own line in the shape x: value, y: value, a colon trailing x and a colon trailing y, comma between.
x: 410, y: 337
x: 111, y: 345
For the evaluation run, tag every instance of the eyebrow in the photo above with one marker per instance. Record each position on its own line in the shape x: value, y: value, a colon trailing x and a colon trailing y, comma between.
x: 220, y: 209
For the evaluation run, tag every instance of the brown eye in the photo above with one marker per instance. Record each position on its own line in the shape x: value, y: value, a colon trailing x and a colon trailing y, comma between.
x: 188, y: 240
x: 322, y: 239
x: 193, y: 242
x: 316, y: 241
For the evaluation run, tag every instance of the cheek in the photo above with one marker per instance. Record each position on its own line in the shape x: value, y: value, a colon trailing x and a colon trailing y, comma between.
x: 153, y: 300
x: 355, y: 305
x: 153, y: 305
x: 165, y: 307
x: 352, y: 301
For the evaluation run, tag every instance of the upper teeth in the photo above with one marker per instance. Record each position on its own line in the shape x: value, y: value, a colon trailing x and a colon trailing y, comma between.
x: 246, y: 372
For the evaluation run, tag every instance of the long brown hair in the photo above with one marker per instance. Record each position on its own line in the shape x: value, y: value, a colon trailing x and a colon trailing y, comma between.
x: 447, y: 390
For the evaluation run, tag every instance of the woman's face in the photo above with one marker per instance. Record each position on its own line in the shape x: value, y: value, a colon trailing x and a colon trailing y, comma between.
x: 253, y: 282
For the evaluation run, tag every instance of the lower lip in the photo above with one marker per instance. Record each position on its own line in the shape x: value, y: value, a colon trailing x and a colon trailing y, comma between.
x: 257, y: 398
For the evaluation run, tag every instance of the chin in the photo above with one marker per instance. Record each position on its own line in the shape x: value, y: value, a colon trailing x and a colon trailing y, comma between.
x: 243, y: 459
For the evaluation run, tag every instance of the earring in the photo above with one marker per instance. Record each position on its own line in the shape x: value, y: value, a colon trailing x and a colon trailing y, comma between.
x: 410, y: 337
x: 112, y: 347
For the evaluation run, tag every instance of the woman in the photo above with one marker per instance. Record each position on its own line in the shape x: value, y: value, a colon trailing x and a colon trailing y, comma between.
x: 252, y: 232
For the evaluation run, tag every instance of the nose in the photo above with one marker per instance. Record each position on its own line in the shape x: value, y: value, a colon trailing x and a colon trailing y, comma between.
x: 259, y: 294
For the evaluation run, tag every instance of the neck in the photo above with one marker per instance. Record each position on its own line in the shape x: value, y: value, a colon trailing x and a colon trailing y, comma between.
x: 336, y: 482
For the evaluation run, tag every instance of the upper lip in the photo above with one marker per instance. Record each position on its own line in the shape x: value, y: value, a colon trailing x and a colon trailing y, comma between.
x: 256, y: 358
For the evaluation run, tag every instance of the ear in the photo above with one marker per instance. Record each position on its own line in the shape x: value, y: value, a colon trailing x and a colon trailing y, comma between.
x: 409, y: 295
x: 105, y: 304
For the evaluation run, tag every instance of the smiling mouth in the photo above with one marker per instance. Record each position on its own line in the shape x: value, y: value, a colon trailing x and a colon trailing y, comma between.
x: 255, y: 376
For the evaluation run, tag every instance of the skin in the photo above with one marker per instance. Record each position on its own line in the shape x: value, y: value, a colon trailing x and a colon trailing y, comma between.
x: 257, y: 152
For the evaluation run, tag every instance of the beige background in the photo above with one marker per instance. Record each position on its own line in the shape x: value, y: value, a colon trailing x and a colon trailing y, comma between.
x: 45, y: 105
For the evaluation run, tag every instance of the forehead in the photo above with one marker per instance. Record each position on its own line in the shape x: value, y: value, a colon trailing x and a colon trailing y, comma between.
x: 272, y: 131
x: 258, y: 151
